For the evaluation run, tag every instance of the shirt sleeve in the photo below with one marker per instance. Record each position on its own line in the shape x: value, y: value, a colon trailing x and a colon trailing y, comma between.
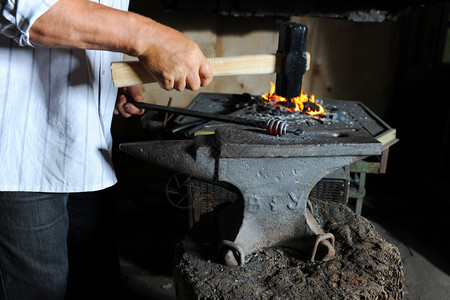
x: 17, y: 17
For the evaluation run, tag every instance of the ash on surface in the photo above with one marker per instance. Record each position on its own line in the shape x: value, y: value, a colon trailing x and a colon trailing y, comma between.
x: 338, y: 114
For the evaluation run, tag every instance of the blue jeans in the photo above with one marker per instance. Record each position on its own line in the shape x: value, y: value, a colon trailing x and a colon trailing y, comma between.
x: 54, y: 246
x: 33, y: 247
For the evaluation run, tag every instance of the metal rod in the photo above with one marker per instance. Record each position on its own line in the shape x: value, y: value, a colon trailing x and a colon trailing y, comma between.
x: 199, y: 114
x: 166, y: 117
x: 274, y: 127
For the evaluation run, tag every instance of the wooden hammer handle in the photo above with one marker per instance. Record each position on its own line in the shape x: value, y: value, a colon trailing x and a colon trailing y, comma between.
x: 128, y: 73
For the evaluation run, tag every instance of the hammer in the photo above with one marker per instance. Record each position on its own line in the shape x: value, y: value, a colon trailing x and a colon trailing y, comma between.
x: 290, y: 63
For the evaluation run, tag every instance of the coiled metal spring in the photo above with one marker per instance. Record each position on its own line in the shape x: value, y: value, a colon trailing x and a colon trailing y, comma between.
x: 276, y: 127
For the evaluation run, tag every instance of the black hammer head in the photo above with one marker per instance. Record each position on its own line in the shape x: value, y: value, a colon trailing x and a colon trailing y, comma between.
x: 292, y: 46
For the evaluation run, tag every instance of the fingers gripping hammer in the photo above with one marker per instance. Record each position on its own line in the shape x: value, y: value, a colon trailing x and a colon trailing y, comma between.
x: 290, y: 63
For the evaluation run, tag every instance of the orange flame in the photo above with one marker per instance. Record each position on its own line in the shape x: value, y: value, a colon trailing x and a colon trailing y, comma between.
x: 300, y: 103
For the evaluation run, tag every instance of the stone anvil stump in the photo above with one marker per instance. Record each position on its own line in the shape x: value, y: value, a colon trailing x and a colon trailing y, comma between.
x: 365, y: 265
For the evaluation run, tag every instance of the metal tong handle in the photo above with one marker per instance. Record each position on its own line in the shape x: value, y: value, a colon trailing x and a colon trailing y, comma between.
x: 215, y: 117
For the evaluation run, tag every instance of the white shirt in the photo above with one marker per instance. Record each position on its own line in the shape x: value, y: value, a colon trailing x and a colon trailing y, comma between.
x: 56, y: 108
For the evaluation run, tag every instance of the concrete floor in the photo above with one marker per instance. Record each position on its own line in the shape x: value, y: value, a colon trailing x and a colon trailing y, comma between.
x: 427, y: 274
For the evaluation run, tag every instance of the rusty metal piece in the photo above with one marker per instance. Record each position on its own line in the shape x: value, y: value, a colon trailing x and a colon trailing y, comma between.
x: 322, y: 239
x: 233, y: 254
x: 276, y: 127
x: 178, y: 190
x: 166, y: 116
x: 326, y: 250
x: 274, y: 174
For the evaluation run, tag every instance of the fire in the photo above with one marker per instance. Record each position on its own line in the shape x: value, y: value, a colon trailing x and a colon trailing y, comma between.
x: 302, y: 103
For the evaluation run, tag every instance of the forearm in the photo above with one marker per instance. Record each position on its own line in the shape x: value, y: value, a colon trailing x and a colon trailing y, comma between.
x: 169, y: 56
x: 88, y: 25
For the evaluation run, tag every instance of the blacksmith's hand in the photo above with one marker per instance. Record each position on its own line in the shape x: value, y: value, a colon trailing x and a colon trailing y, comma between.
x: 123, y: 105
x: 174, y: 60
